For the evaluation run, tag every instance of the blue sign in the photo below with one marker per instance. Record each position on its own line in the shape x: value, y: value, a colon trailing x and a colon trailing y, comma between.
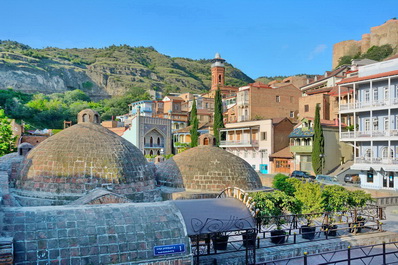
x: 168, y: 249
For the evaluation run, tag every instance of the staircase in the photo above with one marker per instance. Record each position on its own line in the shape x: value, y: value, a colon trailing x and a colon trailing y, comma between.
x: 341, y: 170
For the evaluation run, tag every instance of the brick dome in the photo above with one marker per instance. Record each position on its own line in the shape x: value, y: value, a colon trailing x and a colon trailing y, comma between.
x: 207, y: 168
x: 84, y: 157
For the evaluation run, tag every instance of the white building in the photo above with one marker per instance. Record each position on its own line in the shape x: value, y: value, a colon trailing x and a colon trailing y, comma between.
x: 145, y: 107
x: 370, y: 100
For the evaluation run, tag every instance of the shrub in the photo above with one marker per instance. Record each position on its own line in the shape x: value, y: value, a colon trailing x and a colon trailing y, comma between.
x: 335, y: 198
x: 281, y: 183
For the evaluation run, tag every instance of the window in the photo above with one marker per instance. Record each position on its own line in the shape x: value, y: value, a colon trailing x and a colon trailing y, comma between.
x: 306, y: 108
x: 367, y: 96
x: 263, y: 136
x: 368, y: 154
x: 375, y: 124
x: 386, y: 127
x: 278, y: 99
x: 375, y: 94
x: 367, y: 125
x: 386, y: 94
x: 396, y: 91
x: 369, y: 177
x: 292, y: 114
x: 385, y: 154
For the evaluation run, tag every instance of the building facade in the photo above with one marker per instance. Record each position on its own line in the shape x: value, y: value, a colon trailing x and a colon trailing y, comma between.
x: 254, y: 141
x: 258, y: 101
x: 151, y: 135
x: 372, y: 105
x: 301, y: 142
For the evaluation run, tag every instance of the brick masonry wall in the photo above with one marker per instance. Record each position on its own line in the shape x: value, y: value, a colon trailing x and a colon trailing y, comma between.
x: 263, y: 102
x: 84, y: 157
x: 96, y: 234
x: 208, y: 169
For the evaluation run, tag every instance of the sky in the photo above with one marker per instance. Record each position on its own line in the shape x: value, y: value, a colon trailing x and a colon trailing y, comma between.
x: 260, y: 37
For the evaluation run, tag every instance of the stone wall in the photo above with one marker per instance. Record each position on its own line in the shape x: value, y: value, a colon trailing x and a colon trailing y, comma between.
x: 386, y: 33
x: 95, y: 234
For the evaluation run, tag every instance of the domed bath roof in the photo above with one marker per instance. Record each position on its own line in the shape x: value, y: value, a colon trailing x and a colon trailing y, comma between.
x: 84, y: 157
x: 207, y: 168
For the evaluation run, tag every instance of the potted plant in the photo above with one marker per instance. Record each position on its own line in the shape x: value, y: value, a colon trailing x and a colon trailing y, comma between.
x: 249, y: 238
x: 335, y: 200
x: 220, y: 241
x: 310, y: 196
x: 272, y: 206
x: 358, y: 199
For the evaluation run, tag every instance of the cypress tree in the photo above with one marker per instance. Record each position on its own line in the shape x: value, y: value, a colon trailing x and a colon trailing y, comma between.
x: 218, y: 121
x: 7, y: 140
x: 318, y: 144
x: 195, y: 125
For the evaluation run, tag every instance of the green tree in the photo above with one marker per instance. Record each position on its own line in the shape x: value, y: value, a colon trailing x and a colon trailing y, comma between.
x: 7, y: 139
x: 318, y: 144
x: 310, y: 195
x: 378, y: 53
x: 218, y: 121
x: 195, y: 125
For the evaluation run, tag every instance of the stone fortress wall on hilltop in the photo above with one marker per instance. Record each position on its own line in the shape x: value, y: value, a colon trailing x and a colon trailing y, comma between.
x: 386, y: 33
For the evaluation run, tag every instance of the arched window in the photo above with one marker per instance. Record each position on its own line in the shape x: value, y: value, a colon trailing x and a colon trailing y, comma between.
x: 151, y: 141
x: 219, y: 79
x: 151, y: 153
x: 368, y: 154
x: 86, y: 118
x: 387, y: 154
x: 96, y: 118
x: 206, y: 141
x: 158, y: 141
x: 158, y: 152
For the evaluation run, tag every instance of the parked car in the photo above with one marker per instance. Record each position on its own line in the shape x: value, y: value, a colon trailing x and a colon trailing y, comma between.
x: 301, y: 175
x: 326, y: 179
x: 352, y: 178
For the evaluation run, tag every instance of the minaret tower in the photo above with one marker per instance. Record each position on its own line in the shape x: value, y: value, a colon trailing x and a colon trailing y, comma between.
x: 217, y: 72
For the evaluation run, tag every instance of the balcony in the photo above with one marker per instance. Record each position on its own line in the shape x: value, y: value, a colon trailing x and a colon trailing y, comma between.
x: 301, y: 148
x: 376, y: 160
x: 369, y: 105
x: 154, y: 145
x: 243, y: 102
x: 360, y: 134
x: 239, y: 143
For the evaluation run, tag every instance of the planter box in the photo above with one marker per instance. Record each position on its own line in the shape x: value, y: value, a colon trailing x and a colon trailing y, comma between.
x: 278, y: 236
x: 308, y: 232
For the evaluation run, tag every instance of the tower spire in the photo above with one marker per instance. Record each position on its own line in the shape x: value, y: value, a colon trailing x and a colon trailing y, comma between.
x: 217, y: 72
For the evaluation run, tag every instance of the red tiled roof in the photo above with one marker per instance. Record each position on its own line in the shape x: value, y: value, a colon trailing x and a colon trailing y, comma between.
x: 356, y: 79
x: 284, y: 153
x: 118, y: 130
x: 318, y: 91
x: 259, y: 84
x: 175, y: 98
x: 335, y: 91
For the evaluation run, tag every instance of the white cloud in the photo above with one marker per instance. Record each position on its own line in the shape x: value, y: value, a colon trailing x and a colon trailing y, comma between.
x: 317, y: 50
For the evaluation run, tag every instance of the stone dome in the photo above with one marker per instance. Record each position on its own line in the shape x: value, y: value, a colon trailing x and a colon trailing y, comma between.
x: 207, y: 168
x: 84, y: 157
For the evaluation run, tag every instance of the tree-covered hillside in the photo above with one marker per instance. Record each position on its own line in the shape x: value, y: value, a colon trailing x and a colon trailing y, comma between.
x: 104, y: 72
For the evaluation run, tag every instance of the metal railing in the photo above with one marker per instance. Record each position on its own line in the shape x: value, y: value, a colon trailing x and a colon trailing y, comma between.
x: 345, y: 225
x: 376, y: 160
x: 384, y: 253
x: 154, y: 145
x: 356, y: 134
x: 240, y: 142
x: 367, y: 104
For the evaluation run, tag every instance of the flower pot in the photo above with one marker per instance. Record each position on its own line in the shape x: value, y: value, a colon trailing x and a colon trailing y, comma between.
x: 356, y: 226
x: 249, y: 239
x: 278, y: 236
x: 331, y: 230
x: 308, y: 232
x: 220, y: 242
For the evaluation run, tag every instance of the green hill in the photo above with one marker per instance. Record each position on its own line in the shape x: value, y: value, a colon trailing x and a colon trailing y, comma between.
x: 104, y: 72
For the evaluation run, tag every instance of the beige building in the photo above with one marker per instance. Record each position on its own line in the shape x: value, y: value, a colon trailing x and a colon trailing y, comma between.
x: 254, y: 141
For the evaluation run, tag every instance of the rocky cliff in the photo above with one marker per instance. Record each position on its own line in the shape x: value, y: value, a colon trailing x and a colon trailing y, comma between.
x: 104, y: 72
x: 378, y: 36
